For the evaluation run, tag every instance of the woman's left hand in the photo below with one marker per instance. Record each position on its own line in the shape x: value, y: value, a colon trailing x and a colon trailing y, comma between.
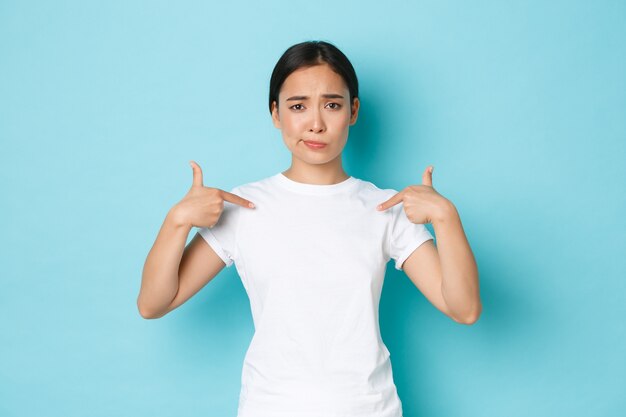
x: 421, y: 203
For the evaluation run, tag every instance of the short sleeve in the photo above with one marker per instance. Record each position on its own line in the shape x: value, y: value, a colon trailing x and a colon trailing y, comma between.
x: 222, y: 236
x: 405, y: 236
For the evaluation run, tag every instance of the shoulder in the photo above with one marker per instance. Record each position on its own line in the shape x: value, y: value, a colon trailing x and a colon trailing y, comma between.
x: 374, y: 195
x: 369, y: 189
x: 253, y: 187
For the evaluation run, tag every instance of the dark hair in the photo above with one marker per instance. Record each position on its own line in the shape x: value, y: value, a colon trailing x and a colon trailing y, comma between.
x: 309, y: 54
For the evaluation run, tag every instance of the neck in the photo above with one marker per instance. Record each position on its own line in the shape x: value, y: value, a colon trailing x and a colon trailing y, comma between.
x: 319, y: 174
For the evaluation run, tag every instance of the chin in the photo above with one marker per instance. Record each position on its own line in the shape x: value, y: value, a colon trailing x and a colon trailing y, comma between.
x: 320, y: 160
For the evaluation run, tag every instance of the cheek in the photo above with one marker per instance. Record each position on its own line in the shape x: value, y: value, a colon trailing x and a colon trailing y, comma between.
x: 292, y: 124
x: 342, y: 121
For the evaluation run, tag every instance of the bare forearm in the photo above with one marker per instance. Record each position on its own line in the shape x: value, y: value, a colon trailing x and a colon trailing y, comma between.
x: 159, y: 283
x: 460, y: 285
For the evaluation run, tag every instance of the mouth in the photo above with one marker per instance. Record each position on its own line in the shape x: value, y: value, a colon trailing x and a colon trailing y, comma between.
x: 314, y: 145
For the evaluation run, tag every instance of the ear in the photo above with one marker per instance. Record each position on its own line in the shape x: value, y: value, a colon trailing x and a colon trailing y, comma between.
x: 275, y: 115
x: 354, y: 114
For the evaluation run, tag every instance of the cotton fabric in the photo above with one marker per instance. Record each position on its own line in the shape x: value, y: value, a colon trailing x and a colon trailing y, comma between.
x: 312, y: 259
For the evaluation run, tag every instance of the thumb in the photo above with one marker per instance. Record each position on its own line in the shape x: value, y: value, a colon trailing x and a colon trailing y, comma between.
x: 197, y: 174
x: 427, y: 176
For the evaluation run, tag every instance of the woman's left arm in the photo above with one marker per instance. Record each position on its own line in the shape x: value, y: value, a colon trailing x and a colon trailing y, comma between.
x: 459, y: 286
x: 447, y: 274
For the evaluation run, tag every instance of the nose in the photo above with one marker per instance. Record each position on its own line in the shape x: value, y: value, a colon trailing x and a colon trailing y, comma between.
x: 317, y: 122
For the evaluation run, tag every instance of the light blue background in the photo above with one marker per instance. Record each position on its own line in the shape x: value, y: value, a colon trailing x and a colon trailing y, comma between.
x: 520, y: 107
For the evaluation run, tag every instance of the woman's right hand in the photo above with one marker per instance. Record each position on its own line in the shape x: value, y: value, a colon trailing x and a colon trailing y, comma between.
x: 203, y: 206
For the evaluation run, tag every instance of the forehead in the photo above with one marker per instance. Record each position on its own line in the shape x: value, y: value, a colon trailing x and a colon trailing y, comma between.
x: 320, y: 78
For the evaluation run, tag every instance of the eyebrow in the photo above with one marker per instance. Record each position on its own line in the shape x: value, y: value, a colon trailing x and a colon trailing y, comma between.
x: 331, y: 95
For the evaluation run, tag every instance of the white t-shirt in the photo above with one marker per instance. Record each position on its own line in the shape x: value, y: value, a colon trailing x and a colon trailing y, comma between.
x: 312, y: 259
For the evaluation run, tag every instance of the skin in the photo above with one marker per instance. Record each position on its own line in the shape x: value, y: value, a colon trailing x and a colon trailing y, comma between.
x: 173, y: 272
x: 315, y: 118
x: 446, y: 274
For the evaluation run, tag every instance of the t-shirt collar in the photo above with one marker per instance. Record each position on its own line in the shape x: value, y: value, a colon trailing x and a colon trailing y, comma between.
x: 314, y: 189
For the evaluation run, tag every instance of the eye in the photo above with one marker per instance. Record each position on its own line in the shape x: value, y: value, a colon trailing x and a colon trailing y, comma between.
x: 337, y: 106
x: 292, y: 107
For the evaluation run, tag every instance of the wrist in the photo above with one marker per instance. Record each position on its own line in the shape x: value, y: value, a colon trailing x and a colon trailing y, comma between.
x: 446, y: 211
x: 174, y: 218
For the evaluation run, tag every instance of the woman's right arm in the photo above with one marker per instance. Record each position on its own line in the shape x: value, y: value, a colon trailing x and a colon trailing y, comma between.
x: 172, y: 272
x: 170, y: 266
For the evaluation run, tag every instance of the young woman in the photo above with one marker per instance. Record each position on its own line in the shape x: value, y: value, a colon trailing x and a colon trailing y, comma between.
x: 311, y: 245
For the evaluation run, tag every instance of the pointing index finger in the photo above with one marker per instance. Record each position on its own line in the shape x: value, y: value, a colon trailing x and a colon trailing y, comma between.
x: 395, y: 199
x: 234, y: 198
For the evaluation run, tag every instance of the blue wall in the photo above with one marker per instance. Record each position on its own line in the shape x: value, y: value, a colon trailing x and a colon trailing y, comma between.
x: 520, y: 107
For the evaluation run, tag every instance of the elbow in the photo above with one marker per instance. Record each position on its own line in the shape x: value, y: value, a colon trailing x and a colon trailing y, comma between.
x: 472, y: 317
x: 147, y: 313
x: 469, y: 321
